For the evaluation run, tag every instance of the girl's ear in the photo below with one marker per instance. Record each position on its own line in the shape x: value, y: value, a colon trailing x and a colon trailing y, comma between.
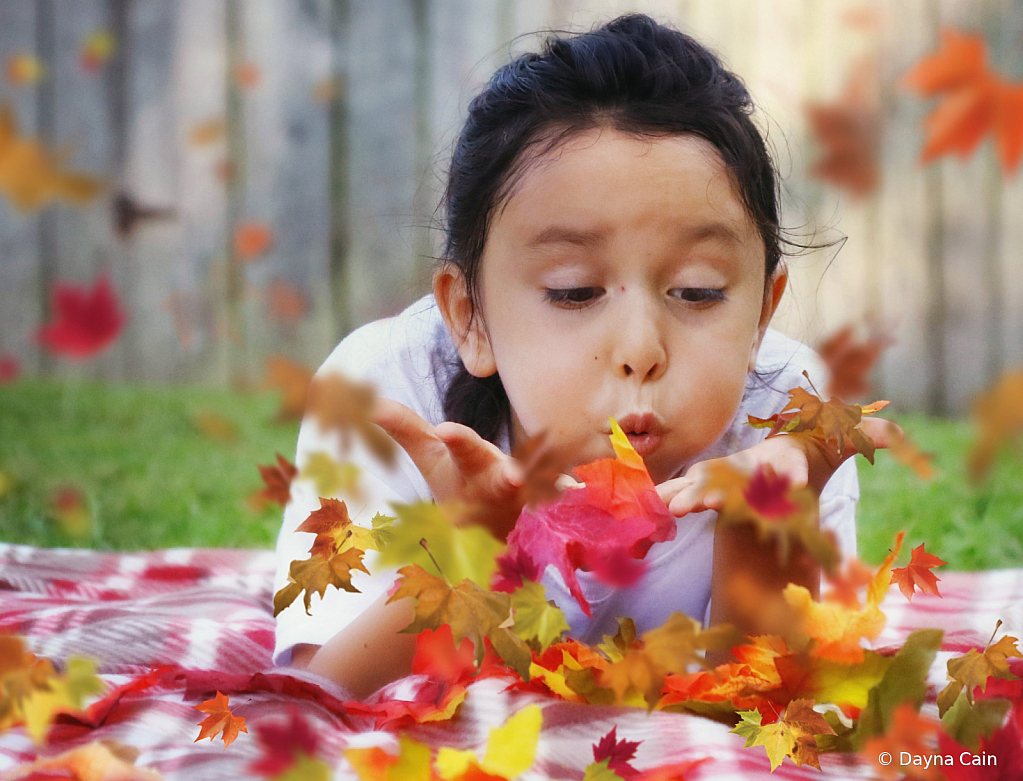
x: 468, y: 333
x: 772, y: 297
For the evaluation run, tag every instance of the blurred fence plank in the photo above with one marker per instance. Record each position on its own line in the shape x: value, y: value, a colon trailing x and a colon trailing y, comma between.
x: 339, y: 140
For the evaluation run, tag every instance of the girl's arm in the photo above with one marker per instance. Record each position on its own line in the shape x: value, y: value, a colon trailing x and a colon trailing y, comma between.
x: 368, y: 653
x: 747, y: 573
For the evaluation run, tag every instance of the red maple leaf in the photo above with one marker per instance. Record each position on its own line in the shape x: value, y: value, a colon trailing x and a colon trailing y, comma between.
x: 604, y: 526
x: 768, y: 493
x: 87, y: 320
x: 278, y: 481
x: 918, y: 574
x: 617, y: 752
x: 283, y: 743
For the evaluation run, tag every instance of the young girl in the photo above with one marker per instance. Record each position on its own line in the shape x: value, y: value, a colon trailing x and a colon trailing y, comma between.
x: 613, y: 250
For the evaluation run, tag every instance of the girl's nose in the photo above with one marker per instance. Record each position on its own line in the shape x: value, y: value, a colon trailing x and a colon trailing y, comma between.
x: 639, y: 349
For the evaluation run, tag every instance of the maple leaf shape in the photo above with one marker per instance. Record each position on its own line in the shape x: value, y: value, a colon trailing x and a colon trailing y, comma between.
x: 849, y: 131
x: 831, y: 422
x: 669, y: 648
x: 918, y: 574
x: 975, y: 669
x: 293, y: 380
x: 278, y: 481
x: 101, y: 760
x: 347, y: 405
x: 603, y: 526
x: 600, y: 771
x: 851, y: 359
x: 283, y: 744
x: 998, y: 417
x: 778, y: 510
x: 471, y: 612
x: 791, y: 736
x: 617, y: 753
x: 510, y: 751
x: 32, y: 176
x: 221, y: 721
x: 536, y: 619
x: 909, y: 732
x: 87, y: 320
x: 330, y: 477
x: 961, y: 60
x: 460, y: 551
x: 252, y: 239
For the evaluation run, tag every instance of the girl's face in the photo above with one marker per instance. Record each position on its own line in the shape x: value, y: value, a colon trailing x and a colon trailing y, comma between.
x: 623, y: 278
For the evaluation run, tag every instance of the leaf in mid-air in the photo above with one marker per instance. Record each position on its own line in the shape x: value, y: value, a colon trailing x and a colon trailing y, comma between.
x: 605, y: 526
x: 850, y: 360
x: 917, y: 574
x: 833, y: 422
x: 293, y: 380
x: 330, y: 477
x: 998, y: 418
x: 536, y: 619
x: 220, y: 721
x: 909, y: 733
x: 668, y: 649
x: 469, y: 610
x: 32, y: 176
x: 277, y: 480
x: 252, y: 239
x: 975, y: 668
x: 87, y: 320
x: 346, y: 405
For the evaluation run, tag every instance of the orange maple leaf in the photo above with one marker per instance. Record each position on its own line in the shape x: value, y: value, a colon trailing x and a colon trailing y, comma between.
x: 998, y: 416
x: 220, y: 720
x: 961, y: 60
x: 909, y: 733
x: 918, y: 574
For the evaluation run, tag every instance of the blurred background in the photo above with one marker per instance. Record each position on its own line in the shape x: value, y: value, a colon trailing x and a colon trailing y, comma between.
x: 200, y: 198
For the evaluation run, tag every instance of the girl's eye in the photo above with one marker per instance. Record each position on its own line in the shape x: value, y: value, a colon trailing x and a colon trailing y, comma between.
x: 698, y: 295
x: 572, y: 296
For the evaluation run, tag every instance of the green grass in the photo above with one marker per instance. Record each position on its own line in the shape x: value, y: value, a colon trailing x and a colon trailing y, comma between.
x: 970, y: 527
x: 151, y: 479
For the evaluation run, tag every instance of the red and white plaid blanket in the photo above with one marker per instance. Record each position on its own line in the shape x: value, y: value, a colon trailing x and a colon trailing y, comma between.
x: 205, y: 617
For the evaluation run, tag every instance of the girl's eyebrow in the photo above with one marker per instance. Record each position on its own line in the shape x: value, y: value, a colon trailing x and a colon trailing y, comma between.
x: 691, y: 234
x: 557, y: 234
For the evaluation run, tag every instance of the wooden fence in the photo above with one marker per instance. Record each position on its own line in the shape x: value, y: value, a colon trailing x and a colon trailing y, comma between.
x: 329, y: 123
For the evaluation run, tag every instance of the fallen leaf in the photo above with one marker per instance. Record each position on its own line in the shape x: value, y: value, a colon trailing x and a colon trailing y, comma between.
x: 215, y: 426
x: 668, y: 649
x: 101, y: 760
x: 471, y: 612
x: 537, y: 620
x: 413, y: 763
x: 511, y: 749
x: 252, y: 239
x: 24, y: 69
x: 87, y: 320
x: 909, y: 733
x: 32, y: 176
x: 617, y: 752
x: 307, y: 768
x: 221, y: 721
x: 600, y: 771
x: 283, y: 744
x: 917, y: 574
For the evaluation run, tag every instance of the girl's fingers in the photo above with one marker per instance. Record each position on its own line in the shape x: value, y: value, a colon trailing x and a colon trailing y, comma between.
x: 884, y: 433
x: 475, y: 457
x: 416, y: 437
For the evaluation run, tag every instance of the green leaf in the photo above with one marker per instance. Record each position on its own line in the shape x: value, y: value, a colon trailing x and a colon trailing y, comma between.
x: 535, y: 617
x: 462, y: 552
x: 965, y: 723
x: 599, y: 771
x: 777, y: 740
x: 905, y: 680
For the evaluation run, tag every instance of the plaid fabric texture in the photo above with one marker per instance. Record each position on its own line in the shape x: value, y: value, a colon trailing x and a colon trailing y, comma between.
x: 203, y: 618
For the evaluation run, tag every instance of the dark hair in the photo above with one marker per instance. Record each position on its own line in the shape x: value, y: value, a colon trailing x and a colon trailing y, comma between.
x: 632, y: 74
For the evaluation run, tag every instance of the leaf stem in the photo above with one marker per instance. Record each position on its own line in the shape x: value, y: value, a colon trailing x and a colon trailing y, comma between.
x: 426, y: 548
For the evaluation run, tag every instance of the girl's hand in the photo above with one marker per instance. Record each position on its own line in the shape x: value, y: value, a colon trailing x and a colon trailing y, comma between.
x: 804, y: 460
x: 459, y: 465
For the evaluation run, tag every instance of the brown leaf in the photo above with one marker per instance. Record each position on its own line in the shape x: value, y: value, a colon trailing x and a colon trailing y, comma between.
x: 347, y: 405
x: 998, y: 418
x: 293, y: 380
x: 850, y: 360
x: 975, y: 668
x: 278, y: 481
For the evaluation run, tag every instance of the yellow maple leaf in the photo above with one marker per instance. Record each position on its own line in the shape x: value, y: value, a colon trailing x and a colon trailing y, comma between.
x: 975, y: 668
x: 510, y: 751
x: 330, y: 477
x: 536, y: 619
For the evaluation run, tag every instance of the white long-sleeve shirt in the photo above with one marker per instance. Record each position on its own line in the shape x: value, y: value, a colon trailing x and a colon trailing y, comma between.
x: 400, y: 356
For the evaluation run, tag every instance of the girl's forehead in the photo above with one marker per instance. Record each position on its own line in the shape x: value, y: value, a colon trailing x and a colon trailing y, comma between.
x: 600, y: 179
